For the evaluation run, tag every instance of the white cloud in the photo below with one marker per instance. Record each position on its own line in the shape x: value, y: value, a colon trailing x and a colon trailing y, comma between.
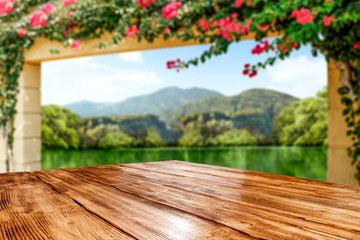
x: 87, y: 78
x: 302, y: 76
x: 132, y: 57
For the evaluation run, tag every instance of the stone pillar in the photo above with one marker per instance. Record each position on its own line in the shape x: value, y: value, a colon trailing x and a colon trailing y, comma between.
x: 27, y: 145
x: 340, y: 169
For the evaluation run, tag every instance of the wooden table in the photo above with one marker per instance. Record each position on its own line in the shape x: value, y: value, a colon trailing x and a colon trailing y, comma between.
x: 174, y: 200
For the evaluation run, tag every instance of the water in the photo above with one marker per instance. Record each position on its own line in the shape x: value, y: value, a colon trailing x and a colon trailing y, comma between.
x: 291, y: 161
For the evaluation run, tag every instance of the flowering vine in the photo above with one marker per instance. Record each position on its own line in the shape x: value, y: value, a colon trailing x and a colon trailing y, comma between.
x: 330, y: 26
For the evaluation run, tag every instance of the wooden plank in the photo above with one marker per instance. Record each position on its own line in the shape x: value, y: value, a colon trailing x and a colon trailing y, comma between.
x: 141, y: 218
x: 31, y: 209
x: 236, y: 177
x: 247, y: 214
x: 310, y: 207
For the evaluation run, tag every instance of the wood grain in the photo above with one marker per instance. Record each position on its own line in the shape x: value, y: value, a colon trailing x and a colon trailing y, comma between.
x: 30, y: 209
x: 257, y: 214
x: 141, y: 218
x: 174, y: 200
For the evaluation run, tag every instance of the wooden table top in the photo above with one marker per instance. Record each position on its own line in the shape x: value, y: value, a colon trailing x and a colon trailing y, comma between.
x: 174, y: 200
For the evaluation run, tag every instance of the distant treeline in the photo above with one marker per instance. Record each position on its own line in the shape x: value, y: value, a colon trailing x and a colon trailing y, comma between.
x: 302, y: 123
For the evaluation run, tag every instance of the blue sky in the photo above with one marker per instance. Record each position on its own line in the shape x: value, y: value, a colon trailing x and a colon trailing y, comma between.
x: 113, y: 78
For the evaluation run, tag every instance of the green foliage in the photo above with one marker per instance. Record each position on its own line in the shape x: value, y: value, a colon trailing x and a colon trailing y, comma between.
x: 59, y: 127
x: 234, y: 137
x: 192, y: 138
x: 116, y: 140
x: 90, y: 136
x: 268, y: 101
x: 153, y: 139
x: 303, y: 123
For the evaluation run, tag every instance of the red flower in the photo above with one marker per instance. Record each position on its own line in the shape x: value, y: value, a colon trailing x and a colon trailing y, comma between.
x: 166, y: 30
x: 282, y: 48
x: 260, y: 48
x: 6, y: 6
x: 327, y: 20
x: 214, y: 22
x: 132, y: 31
x: 21, y: 33
x: 38, y: 19
x: 170, y: 10
x: 303, y: 16
x: 65, y: 3
x: 253, y: 74
x: 204, y: 25
x: 293, y: 46
x: 238, y: 3
x: 263, y: 27
x: 48, y: 8
x: 170, y: 64
x: 145, y: 3
x: 246, y: 27
x: 76, y: 44
x: 357, y: 45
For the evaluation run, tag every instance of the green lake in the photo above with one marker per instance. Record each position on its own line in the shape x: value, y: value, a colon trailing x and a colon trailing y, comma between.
x: 291, y: 161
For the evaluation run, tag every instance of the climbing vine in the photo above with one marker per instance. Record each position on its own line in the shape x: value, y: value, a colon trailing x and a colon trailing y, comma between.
x: 330, y: 26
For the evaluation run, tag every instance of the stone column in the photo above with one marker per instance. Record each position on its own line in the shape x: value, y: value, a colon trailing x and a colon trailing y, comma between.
x: 340, y: 169
x: 27, y: 145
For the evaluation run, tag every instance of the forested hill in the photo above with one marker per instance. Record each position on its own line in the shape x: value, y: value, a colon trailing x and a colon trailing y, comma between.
x: 267, y: 101
x: 155, y: 103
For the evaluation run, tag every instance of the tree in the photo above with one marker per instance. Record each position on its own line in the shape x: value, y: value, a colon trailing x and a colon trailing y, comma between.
x: 303, y: 123
x: 235, y: 137
x: 116, y: 140
x: 59, y: 127
x: 192, y: 138
x: 90, y: 136
x: 330, y: 26
x: 153, y: 139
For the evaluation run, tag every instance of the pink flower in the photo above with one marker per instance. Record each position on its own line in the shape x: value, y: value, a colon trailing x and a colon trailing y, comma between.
x: 166, y: 30
x: 67, y: 32
x: 48, y: 8
x: 204, y: 25
x: 21, y: 33
x: 214, y: 22
x: 38, y: 19
x: 76, y: 44
x: 170, y: 10
x: 6, y: 6
x: 145, y: 3
x: 357, y: 45
x: 246, y: 27
x: 328, y: 0
x: 238, y: 3
x: 303, y: 16
x: 170, y: 64
x: 327, y: 20
x: 65, y: 3
x: 131, y: 31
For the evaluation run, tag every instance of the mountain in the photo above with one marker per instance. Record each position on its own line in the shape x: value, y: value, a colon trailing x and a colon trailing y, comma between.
x: 154, y: 103
x: 84, y: 108
x: 269, y: 101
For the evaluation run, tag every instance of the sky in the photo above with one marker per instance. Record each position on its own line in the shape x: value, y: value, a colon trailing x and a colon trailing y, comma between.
x: 116, y: 77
